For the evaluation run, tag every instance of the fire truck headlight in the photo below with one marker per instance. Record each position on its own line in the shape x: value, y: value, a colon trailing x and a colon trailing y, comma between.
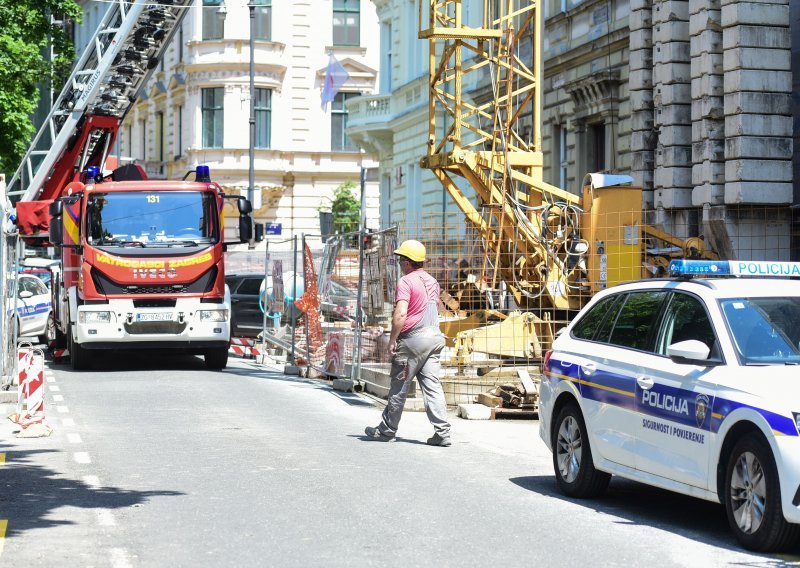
x: 213, y: 315
x: 94, y: 317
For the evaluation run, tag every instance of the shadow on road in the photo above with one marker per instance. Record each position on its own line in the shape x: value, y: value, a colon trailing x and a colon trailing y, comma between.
x: 638, y: 504
x: 32, y: 493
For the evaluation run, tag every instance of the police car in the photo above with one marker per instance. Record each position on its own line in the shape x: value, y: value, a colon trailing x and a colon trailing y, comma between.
x: 34, y: 308
x: 691, y: 384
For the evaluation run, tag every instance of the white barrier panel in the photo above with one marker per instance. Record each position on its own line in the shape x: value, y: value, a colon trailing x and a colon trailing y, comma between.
x: 30, y: 394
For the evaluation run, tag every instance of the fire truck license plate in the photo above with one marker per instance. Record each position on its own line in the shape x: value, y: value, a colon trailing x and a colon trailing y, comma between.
x: 154, y: 317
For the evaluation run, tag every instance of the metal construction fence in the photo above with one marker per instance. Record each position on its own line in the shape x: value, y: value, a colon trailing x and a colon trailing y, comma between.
x: 310, y: 299
x: 9, y: 255
x: 502, y: 300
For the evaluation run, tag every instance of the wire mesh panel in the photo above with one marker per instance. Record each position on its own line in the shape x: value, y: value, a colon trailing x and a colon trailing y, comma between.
x: 356, y: 293
x: 9, y: 249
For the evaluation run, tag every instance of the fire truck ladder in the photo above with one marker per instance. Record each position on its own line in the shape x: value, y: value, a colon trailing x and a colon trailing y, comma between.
x: 104, y: 84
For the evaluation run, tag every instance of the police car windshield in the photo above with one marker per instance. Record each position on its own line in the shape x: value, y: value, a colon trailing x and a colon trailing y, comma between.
x: 765, y: 331
x: 155, y: 218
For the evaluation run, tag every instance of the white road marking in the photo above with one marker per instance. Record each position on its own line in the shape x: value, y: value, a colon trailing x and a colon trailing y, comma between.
x: 50, y: 379
x: 54, y: 388
x: 105, y: 518
x: 62, y: 409
x: 73, y: 438
x: 67, y: 422
x: 119, y: 558
x: 58, y: 398
x: 91, y: 480
x: 3, y: 527
x: 82, y: 457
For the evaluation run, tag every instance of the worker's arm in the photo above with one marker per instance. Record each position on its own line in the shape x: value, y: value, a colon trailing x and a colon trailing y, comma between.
x: 398, y: 320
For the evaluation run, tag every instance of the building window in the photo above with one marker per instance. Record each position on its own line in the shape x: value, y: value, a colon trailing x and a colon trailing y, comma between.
x: 213, y: 19
x: 339, y: 140
x: 560, y: 154
x: 179, y: 132
x: 597, y: 147
x: 143, y: 140
x: 263, y: 109
x: 159, y: 136
x: 346, y: 22
x: 262, y: 14
x: 386, y: 57
x: 212, y: 117
x: 180, y: 43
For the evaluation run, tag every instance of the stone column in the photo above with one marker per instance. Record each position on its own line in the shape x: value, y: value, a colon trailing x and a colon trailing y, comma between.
x: 640, y: 87
x: 757, y: 86
x: 672, y: 104
x: 708, y: 117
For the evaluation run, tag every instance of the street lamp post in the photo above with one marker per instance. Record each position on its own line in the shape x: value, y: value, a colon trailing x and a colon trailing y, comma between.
x: 252, y: 172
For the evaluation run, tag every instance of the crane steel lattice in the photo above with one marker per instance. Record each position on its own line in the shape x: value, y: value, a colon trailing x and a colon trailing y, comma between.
x: 103, y: 86
x: 494, y: 142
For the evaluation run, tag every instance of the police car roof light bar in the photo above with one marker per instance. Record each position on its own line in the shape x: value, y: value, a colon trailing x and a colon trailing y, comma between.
x: 688, y: 268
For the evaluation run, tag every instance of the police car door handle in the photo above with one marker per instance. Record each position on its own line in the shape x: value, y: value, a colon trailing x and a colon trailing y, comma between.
x: 589, y: 368
x: 645, y: 382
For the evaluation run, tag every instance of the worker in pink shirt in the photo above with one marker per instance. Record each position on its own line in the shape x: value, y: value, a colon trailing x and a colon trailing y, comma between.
x: 415, y: 344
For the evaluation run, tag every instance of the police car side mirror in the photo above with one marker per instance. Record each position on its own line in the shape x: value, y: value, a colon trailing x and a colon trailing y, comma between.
x: 25, y: 294
x: 689, y: 352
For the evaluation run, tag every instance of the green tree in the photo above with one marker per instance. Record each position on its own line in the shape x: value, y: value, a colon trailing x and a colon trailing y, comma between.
x: 26, y: 36
x: 346, y: 208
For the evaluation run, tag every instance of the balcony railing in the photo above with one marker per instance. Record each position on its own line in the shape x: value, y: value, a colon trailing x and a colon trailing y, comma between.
x: 368, y: 110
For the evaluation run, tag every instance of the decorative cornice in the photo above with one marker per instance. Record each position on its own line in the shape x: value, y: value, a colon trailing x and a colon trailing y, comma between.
x: 595, y: 90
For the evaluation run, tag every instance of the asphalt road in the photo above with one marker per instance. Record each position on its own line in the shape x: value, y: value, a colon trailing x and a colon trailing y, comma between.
x: 159, y: 462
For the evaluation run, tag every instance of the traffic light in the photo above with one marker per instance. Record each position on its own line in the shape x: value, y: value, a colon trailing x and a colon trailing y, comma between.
x: 259, y: 232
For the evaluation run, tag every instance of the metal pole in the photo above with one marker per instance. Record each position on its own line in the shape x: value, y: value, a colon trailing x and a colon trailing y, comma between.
x: 355, y: 368
x: 252, y: 173
x: 264, y: 312
x: 294, y: 293
x: 305, y: 287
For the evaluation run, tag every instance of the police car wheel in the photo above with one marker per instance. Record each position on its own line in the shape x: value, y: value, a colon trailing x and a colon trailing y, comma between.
x: 49, y: 335
x: 753, y: 498
x: 576, y: 475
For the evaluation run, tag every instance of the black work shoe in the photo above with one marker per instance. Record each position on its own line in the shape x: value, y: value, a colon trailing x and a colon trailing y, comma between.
x: 437, y: 440
x: 374, y: 434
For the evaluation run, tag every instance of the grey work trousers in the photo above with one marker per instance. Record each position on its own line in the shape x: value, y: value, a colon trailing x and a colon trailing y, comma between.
x: 417, y: 356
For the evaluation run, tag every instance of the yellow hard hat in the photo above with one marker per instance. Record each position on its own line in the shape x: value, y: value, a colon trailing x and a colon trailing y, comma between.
x: 413, y: 250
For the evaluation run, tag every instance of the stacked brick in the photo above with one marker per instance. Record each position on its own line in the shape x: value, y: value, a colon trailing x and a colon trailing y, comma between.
x: 757, y: 87
x: 708, y: 116
x: 672, y: 103
x: 640, y: 87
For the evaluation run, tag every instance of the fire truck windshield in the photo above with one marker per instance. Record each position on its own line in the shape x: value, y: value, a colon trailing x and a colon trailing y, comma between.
x: 153, y: 218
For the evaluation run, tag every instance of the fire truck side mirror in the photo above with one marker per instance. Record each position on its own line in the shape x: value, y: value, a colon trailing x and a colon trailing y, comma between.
x: 245, y: 228
x: 245, y: 207
x: 56, y: 228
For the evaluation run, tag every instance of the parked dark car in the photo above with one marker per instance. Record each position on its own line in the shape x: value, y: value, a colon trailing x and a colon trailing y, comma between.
x: 247, y: 319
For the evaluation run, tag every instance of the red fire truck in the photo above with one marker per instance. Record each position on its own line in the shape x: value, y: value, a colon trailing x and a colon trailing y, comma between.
x: 142, y: 265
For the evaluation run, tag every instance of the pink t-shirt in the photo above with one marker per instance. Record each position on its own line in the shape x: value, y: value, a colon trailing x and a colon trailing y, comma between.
x: 416, y: 288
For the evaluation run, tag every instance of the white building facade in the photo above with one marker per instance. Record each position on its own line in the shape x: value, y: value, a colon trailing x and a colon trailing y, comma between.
x: 393, y: 125
x: 195, y: 108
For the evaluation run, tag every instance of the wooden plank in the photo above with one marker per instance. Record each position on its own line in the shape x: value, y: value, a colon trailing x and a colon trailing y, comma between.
x: 527, y: 383
x: 489, y: 400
